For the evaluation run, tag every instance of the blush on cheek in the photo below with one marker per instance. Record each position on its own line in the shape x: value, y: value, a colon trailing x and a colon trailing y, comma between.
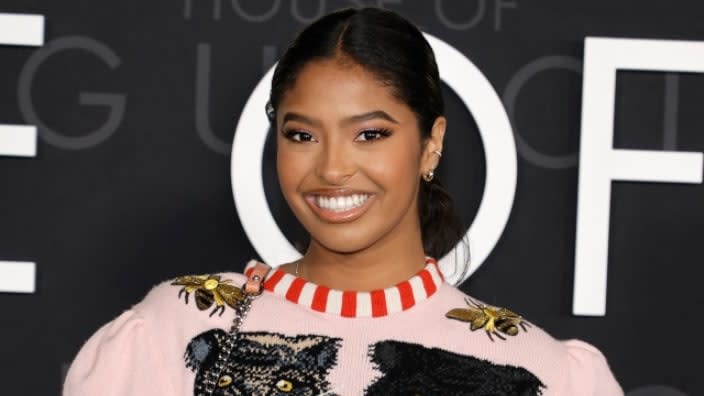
x: 395, y: 169
x: 292, y: 169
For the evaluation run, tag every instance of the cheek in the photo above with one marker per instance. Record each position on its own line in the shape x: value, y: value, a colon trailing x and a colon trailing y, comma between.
x: 291, y: 169
x: 285, y: 172
x: 395, y: 170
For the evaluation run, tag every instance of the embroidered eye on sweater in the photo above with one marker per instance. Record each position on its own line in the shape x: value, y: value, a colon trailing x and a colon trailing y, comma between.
x: 493, y: 320
x: 209, y: 290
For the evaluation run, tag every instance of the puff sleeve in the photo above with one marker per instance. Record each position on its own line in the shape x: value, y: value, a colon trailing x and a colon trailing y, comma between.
x: 589, y: 372
x: 120, y: 359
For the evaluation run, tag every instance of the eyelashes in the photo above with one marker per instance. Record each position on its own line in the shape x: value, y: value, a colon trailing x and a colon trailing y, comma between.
x: 373, y: 134
x: 366, y: 135
x: 298, y: 136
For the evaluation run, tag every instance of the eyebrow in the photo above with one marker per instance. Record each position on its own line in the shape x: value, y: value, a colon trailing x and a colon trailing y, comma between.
x: 300, y: 118
x: 369, y: 116
x: 349, y: 120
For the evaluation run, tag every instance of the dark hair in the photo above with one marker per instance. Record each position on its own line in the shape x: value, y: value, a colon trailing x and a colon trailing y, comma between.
x: 395, y: 51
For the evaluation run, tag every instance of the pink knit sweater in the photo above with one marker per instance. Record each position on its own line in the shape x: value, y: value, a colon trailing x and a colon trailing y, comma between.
x: 302, y: 339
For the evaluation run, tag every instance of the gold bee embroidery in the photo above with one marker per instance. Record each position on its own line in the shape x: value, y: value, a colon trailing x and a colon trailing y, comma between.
x: 209, y: 290
x: 493, y: 320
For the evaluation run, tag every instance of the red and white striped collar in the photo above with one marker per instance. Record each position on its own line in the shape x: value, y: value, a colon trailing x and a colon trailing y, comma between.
x: 353, y: 304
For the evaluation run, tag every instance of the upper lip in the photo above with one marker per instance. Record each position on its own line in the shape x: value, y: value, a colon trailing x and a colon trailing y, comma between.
x: 337, y: 192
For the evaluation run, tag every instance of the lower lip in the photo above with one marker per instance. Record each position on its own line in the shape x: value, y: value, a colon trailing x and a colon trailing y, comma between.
x: 342, y: 216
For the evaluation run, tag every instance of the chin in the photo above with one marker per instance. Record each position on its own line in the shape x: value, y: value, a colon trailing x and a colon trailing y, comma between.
x: 344, y: 242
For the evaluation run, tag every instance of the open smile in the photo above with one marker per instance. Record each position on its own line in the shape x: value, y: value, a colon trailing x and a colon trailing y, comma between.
x: 338, y: 208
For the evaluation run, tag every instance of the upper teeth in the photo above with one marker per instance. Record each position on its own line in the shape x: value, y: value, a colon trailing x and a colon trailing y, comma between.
x: 341, y: 204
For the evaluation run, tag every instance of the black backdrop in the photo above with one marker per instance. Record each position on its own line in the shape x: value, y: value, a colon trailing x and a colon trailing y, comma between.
x: 107, y: 218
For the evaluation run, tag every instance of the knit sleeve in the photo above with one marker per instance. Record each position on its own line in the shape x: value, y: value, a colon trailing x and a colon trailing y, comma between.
x: 589, y: 371
x: 120, y: 359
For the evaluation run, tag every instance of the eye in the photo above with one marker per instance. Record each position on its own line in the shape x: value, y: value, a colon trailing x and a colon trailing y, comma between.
x: 372, y: 134
x: 298, y: 136
x: 284, y: 385
x: 224, y: 381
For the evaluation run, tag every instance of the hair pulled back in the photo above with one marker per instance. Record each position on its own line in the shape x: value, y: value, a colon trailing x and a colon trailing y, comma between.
x: 394, y: 51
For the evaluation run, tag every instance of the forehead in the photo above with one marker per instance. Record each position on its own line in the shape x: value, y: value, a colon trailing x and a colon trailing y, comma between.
x: 336, y: 88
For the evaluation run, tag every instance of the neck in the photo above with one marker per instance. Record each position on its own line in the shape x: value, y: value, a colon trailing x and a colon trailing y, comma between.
x: 377, y: 267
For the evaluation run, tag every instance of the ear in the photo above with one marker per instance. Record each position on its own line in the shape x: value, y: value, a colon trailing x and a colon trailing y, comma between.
x: 203, y: 348
x: 429, y: 158
x: 322, y: 355
x: 389, y: 354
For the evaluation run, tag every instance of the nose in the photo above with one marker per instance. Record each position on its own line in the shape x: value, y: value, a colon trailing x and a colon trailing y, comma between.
x: 335, y: 163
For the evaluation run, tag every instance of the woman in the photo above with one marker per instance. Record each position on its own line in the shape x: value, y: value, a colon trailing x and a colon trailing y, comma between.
x: 357, y: 110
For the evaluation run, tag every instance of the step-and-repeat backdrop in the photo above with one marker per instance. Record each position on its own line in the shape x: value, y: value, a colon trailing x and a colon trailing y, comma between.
x: 129, y: 128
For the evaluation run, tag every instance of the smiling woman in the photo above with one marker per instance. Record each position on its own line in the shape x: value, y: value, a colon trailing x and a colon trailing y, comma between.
x: 358, y: 115
x: 356, y: 140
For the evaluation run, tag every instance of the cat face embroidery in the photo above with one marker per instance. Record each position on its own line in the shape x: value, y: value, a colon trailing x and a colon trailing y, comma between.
x: 412, y: 369
x: 265, y: 364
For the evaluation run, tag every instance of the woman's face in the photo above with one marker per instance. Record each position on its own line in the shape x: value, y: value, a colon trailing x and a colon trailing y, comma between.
x: 350, y: 158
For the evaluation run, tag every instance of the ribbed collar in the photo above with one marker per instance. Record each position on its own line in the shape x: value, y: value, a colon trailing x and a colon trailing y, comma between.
x: 353, y: 304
